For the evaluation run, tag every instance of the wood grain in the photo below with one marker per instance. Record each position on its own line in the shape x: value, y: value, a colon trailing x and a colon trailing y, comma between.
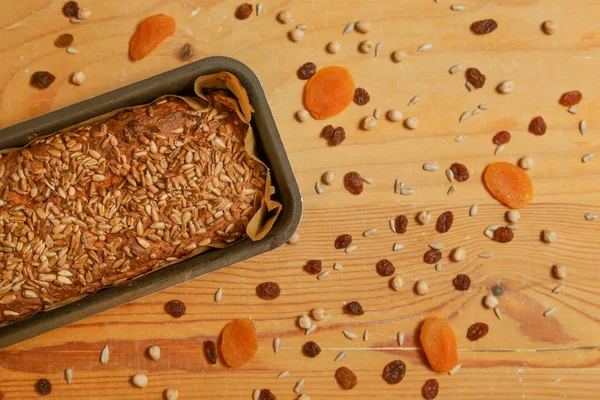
x: 524, y: 356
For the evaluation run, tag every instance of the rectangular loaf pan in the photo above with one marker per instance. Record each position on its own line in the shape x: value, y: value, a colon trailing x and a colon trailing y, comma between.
x: 179, y: 81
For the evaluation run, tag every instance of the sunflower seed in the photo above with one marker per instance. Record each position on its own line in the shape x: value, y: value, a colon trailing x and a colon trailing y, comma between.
x: 349, y: 28
x: 351, y: 248
x: 369, y: 232
x: 218, y: 295
x: 499, y: 149
x: 572, y: 110
x: 310, y: 330
x: 398, y: 186
x: 437, y: 245
x: 414, y: 100
x: 498, y: 313
x: 461, y: 138
x: 550, y: 311
x: 337, y: 266
x: 455, y: 68
x: 451, y: 190
x: 398, y: 246
x: 276, y: 344
x: 75, y: 20
x: 72, y: 50
x: 324, y: 274
x: 319, y: 188
x: 377, y: 113
x: 587, y: 157
x: 483, y: 106
x: 493, y: 227
x: 299, y: 386
x: 486, y: 255
x: 583, y: 126
x: 464, y: 116
x: 366, y: 335
x: 349, y: 335
x: 489, y: 233
x: 514, y: 227
x: 69, y: 375
x: 302, y: 27
x: 455, y: 369
x: 476, y: 111
x: 457, y: 7
x: 366, y: 179
x: 405, y: 191
x: 256, y: 394
x: 450, y: 175
x: 430, y: 167
x: 401, y: 338
x: 340, y: 356
x: 473, y: 210
x: 104, y: 355
x: 424, y: 47
x: 558, y: 289
x: 259, y: 9
x: 284, y: 374
x: 378, y: 48
x: 438, y: 267
x: 590, y: 216
x: 469, y: 86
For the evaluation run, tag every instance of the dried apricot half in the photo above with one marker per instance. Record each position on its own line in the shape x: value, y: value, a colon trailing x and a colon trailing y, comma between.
x: 149, y: 34
x: 508, y: 184
x: 439, y: 342
x: 238, y: 342
x: 329, y: 92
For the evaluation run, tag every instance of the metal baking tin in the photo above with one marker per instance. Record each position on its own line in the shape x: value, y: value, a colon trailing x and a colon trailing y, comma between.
x: 178, y: 81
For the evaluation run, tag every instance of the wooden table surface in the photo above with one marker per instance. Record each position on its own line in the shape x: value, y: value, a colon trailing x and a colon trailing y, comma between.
x: 524, y: 356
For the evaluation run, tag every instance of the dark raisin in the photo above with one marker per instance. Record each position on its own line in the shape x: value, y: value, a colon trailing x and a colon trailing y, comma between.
x: 42, y: 79
x: 460, y: 171
x: 339, y: 135
x: 361, y: 96
x: 70, y: 9
x: 186, y: 53
x: 64, y: 40
x: 569, y: 99
x: 432, y: 256
x: 400, y: 224
x: 266, y: 394
x: 537, y: 126
x: 268, y: 290
x: 385, y: 268
x: 244, y: 11
x: 327, y: 132
x: 503, y: 235
x: 444, y: 222
x: 475, y: 77
x: 44, y: 387
x: 353, y: 183
x: 393, y: 373
x: 477, y: 331
x: 313, y: 267
x: 345, y: 378
x: 497, y: 290
x: 342, y: 241
x: 430, y: 389
x: 501, y: 137
x: 306, y: 71
x: 462, y: 282
x: 175, y: 308
x: 311, y: 349
x: 355, y: 308
x: 210, y: 351
x: 484, y: 26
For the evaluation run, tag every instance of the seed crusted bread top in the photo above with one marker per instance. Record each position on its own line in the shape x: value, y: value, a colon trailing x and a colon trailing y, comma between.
x: 105, y: 204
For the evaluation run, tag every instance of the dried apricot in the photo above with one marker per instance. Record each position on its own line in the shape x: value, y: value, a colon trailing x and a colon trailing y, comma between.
x: 238, y: 342
x: 508, y: 184
x: 439, y: 342
x: 149, y: 34
x: 329, y: 92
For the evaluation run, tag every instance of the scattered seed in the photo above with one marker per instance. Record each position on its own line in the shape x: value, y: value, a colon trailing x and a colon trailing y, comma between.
x: 276, y: 344
x: 396, y: 283
x: 490, y: 301
x: 366, y: 335
x: 424, y: 47
x: 473, y: 210
x: 455, y: 68
x: 461, y: 138
x: 319, y: 188
x: 559, y: 271
x: 421, y: 287
x: 284, y: 16
x: 550, y: 311
x: 411, y: 122
x: 549, y: 27
x: 414, y: 101
x: 378, y: 49
x: 587, y: 157
x: 526, y: 162
x: 302, y: 115
x: 104, y: 355
x: 572, y: 110
x: 299, y: 386
x: 455, y: 369
x: 398, y: 246
x: 558, y: 289
x: 72, y: 50
x: 154, y: 353
x: 140, y: 380
x: 334, y: 47
x: 549, y: 236
x: 459, y: 254
x: 401, y: 338
x: 349, y: 335
x: 75, y: 20
x: 450, y: 175
x: 296, y: 35
x: 464, y: 116
x: 349, y: 28
x: 324, y: 274
x: 498, y: 313
x: 393, y: 225
x: 437, y: 245
x: 351, y: 248
x: 366, y: 46
x: 469, y: 86
x: 430, y: 167
x: 294, y: 239
x: 451, y: 190
x: 486, y: 255
x: 363, y: 26
x: 506, y: 87
x: 78, y: 78
x: 369, y: 123
x: 69, y: 375
x: 218, y: 295
x: 590, y: 216
x: 476, y: 111
x: 424, y: 217
x: 369, y: 232
x: 302, y: 27
x: 583, y: 126
x: 394, y: 115
x: 366, y: 179
x: 457, y: 7
x: 398, y: 186
x: 438, y: 267
x: 406, y: 191
x: 377, y: 113
x: 256, y: 394
x: 310, y: 330
x: 337, y: 266
x: 499, y: 149
x: 284, y: 374
x: 340, y: 356
x: 399, y: 56
x: 259, y: 9
x: 489, y: 233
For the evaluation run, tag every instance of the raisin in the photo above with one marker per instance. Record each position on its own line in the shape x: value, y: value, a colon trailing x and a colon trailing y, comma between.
x: 385, y: 268
x: 327, y: 132
x: 401, y: 223
x: 44, y: 387
x: 244, y: 11
x: 537, y: 126
x: 503, y: 235
x: 339, y: 135
x: 210, y: 351
x: 361, y: 96
x: 306, y: 71
x: 266, y: 394
x: 501, y: 137
x: 484, y: 26
x: 313, y: 267
x: 268, y: 290
x: 311, y: 349
x: 460, y: 171
x: 393, y: 373
x: 497, y: 290
x: 353, y: 183
x: 571, y: 98
x: 432, y: 256
x: 70, y: 9
x: 42, y: 79
x: 343, y: 241
x: 64, y: 40
x: 475, y: 77
x: 187, y: 51
x: 355, y: 308
x: 477, y: 331
x: 444, y: 222
x: 175, y: 308
x: 462, y: 282
x: 345, y: 378
x: 430, y: 389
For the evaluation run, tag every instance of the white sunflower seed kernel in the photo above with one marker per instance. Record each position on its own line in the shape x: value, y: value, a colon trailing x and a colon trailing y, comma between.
x: 455, y: 68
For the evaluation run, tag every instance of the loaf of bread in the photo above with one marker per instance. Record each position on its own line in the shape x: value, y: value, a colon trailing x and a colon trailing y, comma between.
x: 104, y: 204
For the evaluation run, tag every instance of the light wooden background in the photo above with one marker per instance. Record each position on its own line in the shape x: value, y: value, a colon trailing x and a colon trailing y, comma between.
x: 525, y: 356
